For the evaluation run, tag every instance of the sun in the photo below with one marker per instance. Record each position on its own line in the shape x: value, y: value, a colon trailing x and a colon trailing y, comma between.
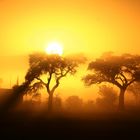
x: 54, y: 48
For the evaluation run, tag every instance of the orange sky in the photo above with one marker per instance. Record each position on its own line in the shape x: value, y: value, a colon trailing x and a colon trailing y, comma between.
x: 82, y: 26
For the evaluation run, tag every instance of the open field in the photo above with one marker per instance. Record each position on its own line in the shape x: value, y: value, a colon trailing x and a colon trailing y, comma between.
x: 117, y: 125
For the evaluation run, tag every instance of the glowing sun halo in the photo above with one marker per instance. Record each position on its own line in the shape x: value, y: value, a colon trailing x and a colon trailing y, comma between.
x: 54, y: 48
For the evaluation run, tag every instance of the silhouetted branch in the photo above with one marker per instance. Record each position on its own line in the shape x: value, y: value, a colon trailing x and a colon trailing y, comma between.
x: 41, y: 81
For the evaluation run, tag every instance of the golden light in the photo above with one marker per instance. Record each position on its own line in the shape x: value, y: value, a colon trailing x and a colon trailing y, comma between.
x: 54, y: 48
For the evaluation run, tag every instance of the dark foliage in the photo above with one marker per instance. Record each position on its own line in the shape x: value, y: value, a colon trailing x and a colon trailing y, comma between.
x: 121, y: 71
x: 53, y: 68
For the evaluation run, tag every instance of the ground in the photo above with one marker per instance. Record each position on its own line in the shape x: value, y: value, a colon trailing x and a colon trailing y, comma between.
x: 116, y: 125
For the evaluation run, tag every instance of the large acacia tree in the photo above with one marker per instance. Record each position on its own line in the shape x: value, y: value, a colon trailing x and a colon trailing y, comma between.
x: 121, y: 71
x: 47, y: 71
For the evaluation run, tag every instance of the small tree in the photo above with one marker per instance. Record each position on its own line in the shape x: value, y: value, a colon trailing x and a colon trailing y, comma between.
x: 48, y: 70
x: 73, y: 103
x: 108, y: 97
x: 121, y: 71
x: 89, y: 105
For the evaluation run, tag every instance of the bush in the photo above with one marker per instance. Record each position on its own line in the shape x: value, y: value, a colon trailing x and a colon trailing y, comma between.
x: 108, y: 97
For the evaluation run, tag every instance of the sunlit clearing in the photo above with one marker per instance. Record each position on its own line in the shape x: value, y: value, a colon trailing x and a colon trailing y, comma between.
x: 54, y: 48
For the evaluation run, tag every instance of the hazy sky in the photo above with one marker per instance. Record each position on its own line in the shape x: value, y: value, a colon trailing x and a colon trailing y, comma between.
x: 88, y: 26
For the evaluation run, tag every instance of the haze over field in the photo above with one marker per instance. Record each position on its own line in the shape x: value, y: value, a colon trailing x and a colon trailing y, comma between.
x: 81, y: 26
x: 70, y: 69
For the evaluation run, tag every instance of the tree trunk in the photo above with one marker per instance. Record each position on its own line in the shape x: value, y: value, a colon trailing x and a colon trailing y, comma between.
x: 121, y: 99
x: 50, y: 103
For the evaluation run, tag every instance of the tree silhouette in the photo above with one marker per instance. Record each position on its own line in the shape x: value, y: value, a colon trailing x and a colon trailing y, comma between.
x: 89, y: 105
x: 121, y: 71
x: 73, y: 103
x: 108, y: 97
x: 47, y: 71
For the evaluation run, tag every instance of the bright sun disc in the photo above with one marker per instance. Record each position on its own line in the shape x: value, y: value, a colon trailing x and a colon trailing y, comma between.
x: 54, y: 48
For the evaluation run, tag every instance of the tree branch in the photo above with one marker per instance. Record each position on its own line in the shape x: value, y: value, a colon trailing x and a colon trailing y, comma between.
x: 41, y: 81
x: 116, y: 83
x: 119, y: 78
x: 131, y: 82
x: 123, y: 77
x: 58, y: 79
x: 48, y: 83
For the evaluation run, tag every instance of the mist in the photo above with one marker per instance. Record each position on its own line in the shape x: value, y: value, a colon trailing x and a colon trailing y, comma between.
x: 86, y: 86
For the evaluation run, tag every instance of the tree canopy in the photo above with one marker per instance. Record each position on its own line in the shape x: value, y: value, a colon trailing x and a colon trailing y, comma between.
x: 53, y: 68
x: 121, y: 71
